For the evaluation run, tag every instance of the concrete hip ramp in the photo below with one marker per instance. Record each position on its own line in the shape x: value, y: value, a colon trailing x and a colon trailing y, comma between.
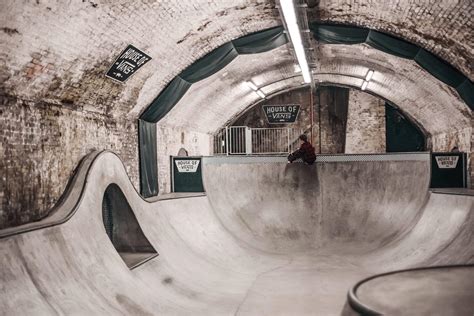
x: 269, y: 238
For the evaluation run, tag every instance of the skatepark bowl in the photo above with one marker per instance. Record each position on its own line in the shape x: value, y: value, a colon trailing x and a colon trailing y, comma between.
x: 267, y: 238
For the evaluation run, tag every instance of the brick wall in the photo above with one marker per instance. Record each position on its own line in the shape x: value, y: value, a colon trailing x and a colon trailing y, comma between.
x: 169, y: 141
x: 331, y: 117
x: 255, y: 117
x: 365, y: 124
x: 330, y: 102
x: 42, y: 143
x: 463, y: 139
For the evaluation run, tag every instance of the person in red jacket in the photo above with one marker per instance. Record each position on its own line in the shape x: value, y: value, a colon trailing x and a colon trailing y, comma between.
x: 306, y: 152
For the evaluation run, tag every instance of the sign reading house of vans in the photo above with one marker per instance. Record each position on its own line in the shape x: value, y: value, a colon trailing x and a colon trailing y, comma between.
x: 187, y: 165
x: 127, y: 63
x: 280, y: 114
x: 447, y: 162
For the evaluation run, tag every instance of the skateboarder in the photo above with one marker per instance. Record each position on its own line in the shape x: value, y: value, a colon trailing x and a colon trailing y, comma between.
x: 305, y: 152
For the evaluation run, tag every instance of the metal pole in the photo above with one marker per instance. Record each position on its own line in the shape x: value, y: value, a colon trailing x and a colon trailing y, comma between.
x: 288, y: 132
x: 227, y: 140
x: 311, y: 101
x: 319, y: 109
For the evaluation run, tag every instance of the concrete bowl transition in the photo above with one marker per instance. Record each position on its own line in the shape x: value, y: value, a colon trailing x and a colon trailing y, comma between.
x: 268, y: 238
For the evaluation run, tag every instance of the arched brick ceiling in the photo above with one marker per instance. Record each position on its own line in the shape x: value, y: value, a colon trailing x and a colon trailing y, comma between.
x: 58, y: 52
x: 211, y: 103
x: 442, y: 27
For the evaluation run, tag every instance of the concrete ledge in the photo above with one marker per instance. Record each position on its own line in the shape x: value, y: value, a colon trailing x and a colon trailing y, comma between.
x: 67, y: 203
x: 415, y: 156
x: 440, y: 294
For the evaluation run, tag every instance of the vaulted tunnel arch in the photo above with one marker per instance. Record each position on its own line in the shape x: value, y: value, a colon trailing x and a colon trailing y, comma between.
x: 82, y: 110
x: 222, y: 253
x: 379, y: 45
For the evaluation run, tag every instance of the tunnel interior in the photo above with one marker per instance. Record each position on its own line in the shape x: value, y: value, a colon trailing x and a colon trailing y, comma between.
x: 382, y: 89
x: 123, y: 228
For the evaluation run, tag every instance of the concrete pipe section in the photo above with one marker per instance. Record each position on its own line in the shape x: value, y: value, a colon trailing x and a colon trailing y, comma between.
x: 270, y: 238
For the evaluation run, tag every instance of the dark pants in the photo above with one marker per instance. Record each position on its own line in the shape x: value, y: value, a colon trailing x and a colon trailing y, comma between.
x: 298, y: 156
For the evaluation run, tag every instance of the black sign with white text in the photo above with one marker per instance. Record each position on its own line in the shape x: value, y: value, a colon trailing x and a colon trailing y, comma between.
x: 278, y: 114
x: 448, y: 170
x: 128, y: 62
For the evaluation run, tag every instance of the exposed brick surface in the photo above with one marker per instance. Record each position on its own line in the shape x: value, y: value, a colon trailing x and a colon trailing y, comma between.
x: 42, y: 143
x: 57, y: 105
x: 170, y: 140
x: 365, y: 131
x: 255, y: 117
x: 331, y: 126
x: 443, y: 27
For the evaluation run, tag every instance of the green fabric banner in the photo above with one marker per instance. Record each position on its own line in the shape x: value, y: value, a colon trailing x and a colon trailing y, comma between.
x: 260, y: 42
x: 210, y: 64
x: 440, y: 69
x: 148, y: 158
x: 173, y: 92
x: 391, y: 45
x: 401, y: 135
x: 339, y: 34
x: 466, y: 91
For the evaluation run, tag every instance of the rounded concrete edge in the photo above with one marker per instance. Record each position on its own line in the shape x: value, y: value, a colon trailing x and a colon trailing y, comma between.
x: 360, y: 308
x: 68, y: 202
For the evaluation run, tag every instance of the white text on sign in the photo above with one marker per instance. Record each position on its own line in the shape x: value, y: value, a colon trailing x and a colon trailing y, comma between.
x: 447, y: 162
x: 187, y: 165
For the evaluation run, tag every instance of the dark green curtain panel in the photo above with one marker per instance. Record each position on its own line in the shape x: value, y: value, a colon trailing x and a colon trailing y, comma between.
x: 206, y: 66
x: 210, y: 64
x: 340, y: 34
x: 148, y: 158
x: 401, y: 134
x: 173, y: 92
x: 391, y: 45
x: 260, y: 42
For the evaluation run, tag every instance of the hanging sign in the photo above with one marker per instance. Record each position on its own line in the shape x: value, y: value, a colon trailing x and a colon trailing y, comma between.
x: 447, y: 162
x: 187, y: 165
x: 281, y: 114
x: 128, y: 62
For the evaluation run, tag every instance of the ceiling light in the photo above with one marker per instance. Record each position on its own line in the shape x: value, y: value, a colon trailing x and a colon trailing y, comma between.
x: 370, y: 73
x: 364, y: 85
x: 251, y: 85
x: 261, y: 94
x: 289, y: 15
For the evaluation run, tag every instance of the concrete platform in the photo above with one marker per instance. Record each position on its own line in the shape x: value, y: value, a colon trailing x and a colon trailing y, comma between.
x: 269, y: 238
x: 427, y: 291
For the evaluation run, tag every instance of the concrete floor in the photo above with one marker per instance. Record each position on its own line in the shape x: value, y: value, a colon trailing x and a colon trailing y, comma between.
x: 268, y: 239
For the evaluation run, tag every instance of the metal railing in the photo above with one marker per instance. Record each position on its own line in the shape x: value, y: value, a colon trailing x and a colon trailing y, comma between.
x: 242, y: 140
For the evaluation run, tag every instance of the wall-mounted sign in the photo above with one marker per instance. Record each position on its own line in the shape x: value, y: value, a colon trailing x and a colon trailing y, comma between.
x: 187, y: 165
x: 186, y: 174
x: 128, y: 62
x: 448, y: 170
x: 447, y: 162
x: 280, y: 114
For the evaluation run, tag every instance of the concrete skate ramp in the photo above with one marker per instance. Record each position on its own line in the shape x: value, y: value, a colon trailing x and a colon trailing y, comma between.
x: 269, y: 239
x: 283, y: 207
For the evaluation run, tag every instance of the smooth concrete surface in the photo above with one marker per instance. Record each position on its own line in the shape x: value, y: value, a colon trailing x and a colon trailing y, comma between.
x: 434, y: 291
x: 267, y: 239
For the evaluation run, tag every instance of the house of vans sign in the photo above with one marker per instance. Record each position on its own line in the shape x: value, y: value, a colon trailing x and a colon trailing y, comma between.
x: 128, y: 62
x: 281, y: 114
x: 190, y: 165
x: 447, y: 162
